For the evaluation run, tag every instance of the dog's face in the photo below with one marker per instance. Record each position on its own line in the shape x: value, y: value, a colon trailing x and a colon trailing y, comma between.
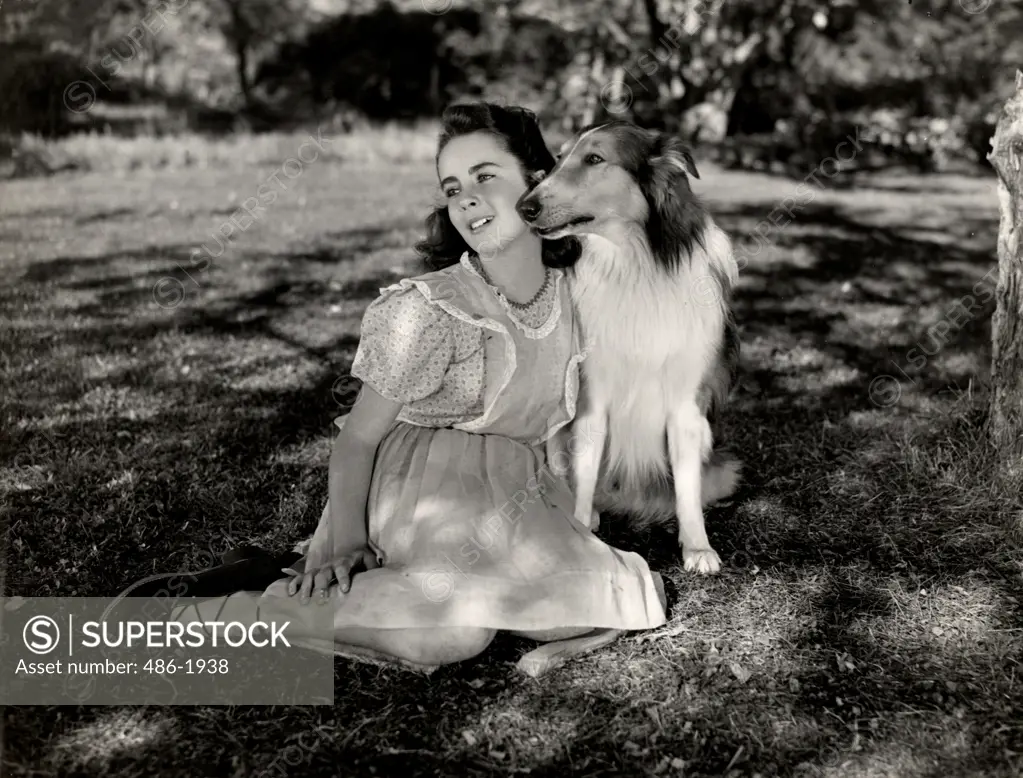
x: 609, y: 178
x: 589, y: 187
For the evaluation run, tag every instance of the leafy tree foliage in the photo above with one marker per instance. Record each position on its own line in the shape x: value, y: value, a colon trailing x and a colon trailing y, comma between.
x: 802, y: 69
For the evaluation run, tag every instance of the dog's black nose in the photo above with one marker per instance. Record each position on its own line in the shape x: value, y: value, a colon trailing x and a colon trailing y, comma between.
x: 529, y: 209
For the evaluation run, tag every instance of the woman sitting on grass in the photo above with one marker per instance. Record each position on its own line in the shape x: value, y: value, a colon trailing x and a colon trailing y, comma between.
x: 445, y: 521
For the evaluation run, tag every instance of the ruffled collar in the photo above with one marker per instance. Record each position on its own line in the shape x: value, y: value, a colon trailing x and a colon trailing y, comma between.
x: 470, y: 266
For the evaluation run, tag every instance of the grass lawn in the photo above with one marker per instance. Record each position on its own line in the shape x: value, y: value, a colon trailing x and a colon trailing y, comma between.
x: 869, y: 616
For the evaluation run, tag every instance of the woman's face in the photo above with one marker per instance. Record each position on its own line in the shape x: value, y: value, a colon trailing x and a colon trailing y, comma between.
x: 481, y: 182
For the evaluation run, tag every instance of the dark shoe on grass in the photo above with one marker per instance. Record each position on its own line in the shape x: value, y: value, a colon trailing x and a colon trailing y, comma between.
x: 251, y: 573
x: 239, y: 553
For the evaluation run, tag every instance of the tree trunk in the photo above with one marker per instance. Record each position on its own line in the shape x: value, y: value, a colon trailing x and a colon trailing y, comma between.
x: 1007, y: 324
x: 242, y: 61
x: 657, y: 27
x: 240, y: 33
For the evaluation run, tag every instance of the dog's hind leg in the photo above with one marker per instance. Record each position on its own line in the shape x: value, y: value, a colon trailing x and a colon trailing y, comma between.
x: 689, y: 444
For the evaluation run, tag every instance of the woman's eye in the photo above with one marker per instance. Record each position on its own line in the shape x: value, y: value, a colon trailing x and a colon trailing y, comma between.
x: 593, y: 159
x: 484, y: 176
x: 450, y: 192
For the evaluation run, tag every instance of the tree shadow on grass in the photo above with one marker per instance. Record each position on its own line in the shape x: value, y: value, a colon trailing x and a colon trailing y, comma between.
x: 383, y: 722
x: 209, y: 422
x: 843, y: 302
x: 853, y: 685
x: 189, y: 266
x: 102, y: 216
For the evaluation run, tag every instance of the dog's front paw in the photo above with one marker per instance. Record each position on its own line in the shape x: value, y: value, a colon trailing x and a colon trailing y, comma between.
x: 701, y: 560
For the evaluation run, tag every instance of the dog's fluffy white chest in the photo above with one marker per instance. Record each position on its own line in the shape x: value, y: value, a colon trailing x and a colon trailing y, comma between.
x: 644, y: 326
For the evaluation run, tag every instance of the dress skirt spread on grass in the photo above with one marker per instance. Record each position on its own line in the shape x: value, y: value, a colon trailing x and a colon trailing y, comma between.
x: 469, y: 521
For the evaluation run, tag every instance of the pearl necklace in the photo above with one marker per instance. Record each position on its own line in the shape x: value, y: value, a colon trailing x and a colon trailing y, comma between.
x: 520, y: 306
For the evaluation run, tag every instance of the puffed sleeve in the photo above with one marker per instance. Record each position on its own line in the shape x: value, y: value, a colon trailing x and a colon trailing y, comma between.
x: 405, y: 347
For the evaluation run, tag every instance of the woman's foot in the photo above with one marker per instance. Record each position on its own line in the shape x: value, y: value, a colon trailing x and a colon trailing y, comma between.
x: 545, y: 658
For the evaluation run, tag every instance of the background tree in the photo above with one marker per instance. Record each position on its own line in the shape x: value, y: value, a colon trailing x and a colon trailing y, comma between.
x: 1007, y: 323
x: 252, y: 27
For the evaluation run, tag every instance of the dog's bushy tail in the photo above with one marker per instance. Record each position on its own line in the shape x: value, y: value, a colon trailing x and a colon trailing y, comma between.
x: 722, y: 474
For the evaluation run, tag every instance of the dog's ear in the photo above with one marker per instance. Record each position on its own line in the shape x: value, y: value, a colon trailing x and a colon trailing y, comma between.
x: 676, y: 218
x: 668, y: 163
x: 671, y: 152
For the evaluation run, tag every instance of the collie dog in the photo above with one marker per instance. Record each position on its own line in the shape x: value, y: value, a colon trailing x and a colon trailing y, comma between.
x: 652, y: 290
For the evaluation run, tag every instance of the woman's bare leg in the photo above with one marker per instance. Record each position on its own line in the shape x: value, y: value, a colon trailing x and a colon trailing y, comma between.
x: 425, y: 647
x: 421, y: 647
x: 547, y: 635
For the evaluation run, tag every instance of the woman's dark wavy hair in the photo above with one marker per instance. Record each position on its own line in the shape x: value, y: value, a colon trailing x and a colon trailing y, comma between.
x: 518, y: 130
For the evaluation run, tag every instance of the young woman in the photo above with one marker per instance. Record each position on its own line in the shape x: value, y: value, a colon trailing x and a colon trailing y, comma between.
x: 445, y: 520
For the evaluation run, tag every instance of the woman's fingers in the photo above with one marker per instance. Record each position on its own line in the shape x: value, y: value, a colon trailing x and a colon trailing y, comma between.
x: 320, y: 578
x: 302, y: 584
x: 307, y: 585
x: 321, y: 581
x: 343, y: 570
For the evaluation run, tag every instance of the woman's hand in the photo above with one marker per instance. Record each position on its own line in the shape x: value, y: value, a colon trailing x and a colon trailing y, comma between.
x: 341, y: 567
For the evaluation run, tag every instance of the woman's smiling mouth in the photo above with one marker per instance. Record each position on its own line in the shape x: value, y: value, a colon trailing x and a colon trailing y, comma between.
x: 478, y: 224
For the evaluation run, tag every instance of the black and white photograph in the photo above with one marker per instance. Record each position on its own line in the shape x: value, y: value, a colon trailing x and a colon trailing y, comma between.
x: 511, y: 387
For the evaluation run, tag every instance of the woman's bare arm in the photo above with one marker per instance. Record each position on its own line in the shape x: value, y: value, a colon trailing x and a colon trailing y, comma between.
x: 351, y: 467
x: 340, y: 543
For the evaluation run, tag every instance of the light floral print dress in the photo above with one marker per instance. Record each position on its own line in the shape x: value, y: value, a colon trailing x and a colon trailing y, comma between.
x: 468, y: 517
